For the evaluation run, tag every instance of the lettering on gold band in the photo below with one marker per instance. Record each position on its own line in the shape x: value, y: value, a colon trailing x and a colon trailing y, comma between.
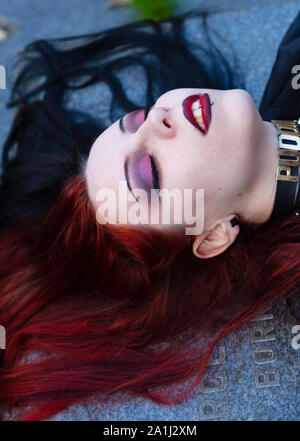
x: 289, y: 150
x: 284, y: 174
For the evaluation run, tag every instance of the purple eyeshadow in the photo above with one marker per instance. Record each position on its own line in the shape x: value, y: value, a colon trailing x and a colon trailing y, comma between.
x: 142, y: 173
x: 145, y: 169
x: 134, y: 120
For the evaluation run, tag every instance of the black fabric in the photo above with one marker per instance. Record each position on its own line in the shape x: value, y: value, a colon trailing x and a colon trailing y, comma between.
x: 280, y: 99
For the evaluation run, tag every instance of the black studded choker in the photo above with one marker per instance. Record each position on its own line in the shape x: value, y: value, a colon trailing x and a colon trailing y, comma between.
x: 287, y: 197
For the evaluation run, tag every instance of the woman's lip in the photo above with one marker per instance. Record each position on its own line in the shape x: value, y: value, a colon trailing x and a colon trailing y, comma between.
x: 205, y: 108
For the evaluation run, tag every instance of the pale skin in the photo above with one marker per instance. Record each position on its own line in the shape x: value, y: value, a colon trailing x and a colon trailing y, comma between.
x: 235, y: 162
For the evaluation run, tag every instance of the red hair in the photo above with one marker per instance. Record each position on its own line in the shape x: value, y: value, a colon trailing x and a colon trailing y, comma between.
x: 111, y: 309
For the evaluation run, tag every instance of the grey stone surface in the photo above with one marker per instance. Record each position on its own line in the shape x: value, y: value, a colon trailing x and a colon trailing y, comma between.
x: 254, y: 35
x: 256, y: 375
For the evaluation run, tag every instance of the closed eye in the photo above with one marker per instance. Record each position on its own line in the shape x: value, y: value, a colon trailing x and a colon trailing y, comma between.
x: 155, y: 175
x: 141, y: 170
x: 133, y: 125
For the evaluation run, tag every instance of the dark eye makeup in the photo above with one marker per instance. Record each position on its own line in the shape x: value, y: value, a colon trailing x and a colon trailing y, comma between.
x: 141, y: 171
x: 133, y: 120
x: 144, y: 174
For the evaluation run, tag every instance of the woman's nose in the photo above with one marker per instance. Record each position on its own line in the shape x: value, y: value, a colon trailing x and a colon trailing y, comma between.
x: 161, y: 121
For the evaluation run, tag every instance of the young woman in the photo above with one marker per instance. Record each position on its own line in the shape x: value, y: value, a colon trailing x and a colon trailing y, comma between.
x: 92, y: 305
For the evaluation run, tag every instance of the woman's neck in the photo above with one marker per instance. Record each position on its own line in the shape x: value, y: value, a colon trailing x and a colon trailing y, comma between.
x: 261, y: 201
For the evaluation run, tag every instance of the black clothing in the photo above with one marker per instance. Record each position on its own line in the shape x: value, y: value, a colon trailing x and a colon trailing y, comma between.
x: 280, y: 100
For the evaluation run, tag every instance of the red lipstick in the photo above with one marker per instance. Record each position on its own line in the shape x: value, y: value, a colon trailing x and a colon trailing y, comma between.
x: 197, y: 110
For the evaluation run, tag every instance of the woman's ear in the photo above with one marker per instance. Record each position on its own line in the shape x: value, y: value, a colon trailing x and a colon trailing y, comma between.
x: 218, y: 239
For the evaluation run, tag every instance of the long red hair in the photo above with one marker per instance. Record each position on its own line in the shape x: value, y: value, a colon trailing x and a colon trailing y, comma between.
x: 94, y: 309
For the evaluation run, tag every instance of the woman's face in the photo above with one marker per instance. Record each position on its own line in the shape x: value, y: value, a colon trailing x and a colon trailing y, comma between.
x: 168, y: 148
